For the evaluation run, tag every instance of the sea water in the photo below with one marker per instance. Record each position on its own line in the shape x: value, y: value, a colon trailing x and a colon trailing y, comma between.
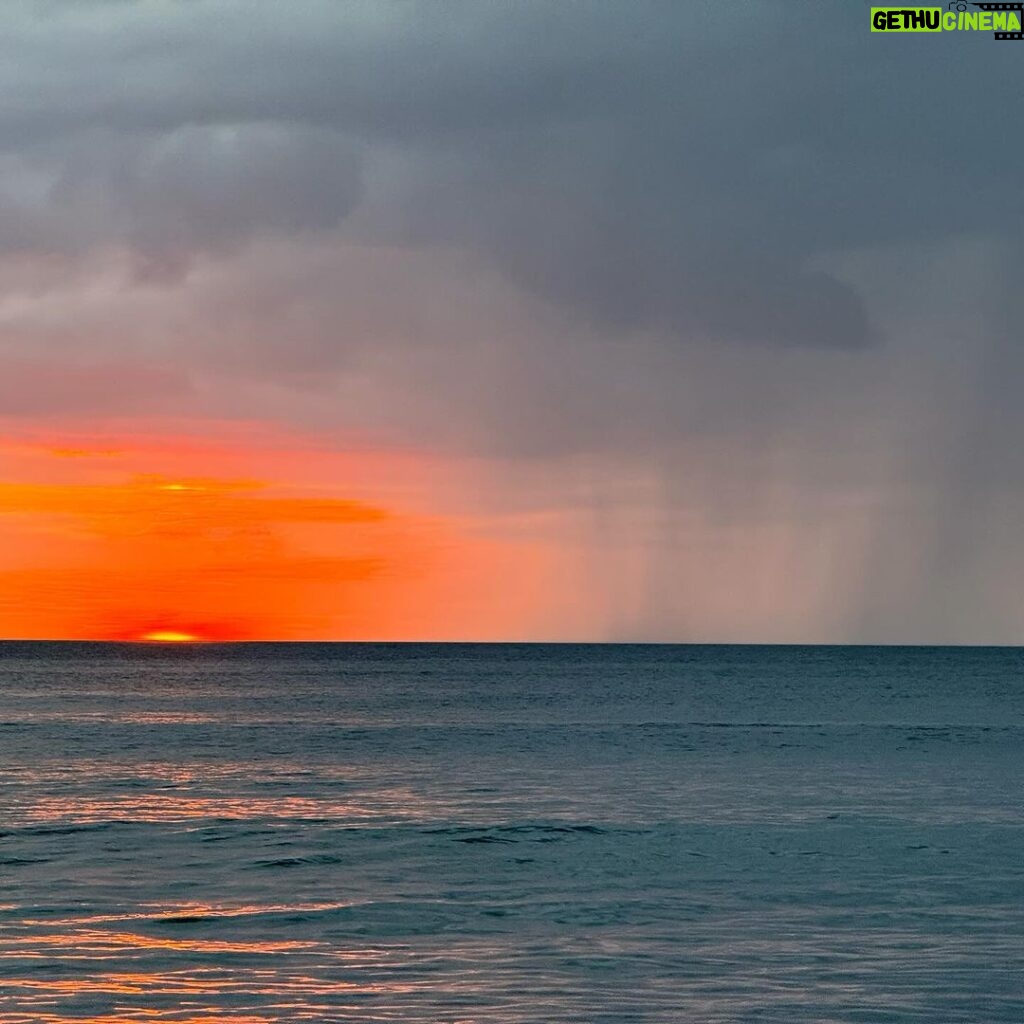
x: 483, y: 833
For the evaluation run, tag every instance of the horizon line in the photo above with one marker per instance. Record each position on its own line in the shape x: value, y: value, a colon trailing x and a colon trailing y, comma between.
x: 199, y: 642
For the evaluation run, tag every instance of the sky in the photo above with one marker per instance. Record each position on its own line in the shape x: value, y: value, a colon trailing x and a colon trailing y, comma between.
x: 573, y: 320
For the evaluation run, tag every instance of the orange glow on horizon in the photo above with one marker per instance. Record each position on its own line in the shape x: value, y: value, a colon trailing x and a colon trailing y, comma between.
x: 169, y: 539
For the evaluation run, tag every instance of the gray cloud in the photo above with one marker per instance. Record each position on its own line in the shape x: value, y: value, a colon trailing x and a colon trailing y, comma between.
x: 644, y: 164
x: 170, y: 197
x: 85, y: 387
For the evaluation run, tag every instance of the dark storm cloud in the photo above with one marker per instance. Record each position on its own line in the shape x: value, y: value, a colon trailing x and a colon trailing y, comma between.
x: 682, y: 172
x: 662, y: 166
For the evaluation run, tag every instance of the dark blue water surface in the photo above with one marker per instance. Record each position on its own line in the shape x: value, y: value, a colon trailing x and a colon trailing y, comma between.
x: 483, y: 833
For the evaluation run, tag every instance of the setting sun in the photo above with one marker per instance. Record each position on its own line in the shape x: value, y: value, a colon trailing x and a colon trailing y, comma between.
x: 251, y: 536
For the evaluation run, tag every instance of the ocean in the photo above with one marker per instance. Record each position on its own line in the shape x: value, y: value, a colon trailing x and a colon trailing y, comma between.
x: 510, y: 833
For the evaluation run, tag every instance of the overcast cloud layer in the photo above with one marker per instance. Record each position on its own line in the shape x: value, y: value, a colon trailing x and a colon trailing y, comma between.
x: 732, y: 285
